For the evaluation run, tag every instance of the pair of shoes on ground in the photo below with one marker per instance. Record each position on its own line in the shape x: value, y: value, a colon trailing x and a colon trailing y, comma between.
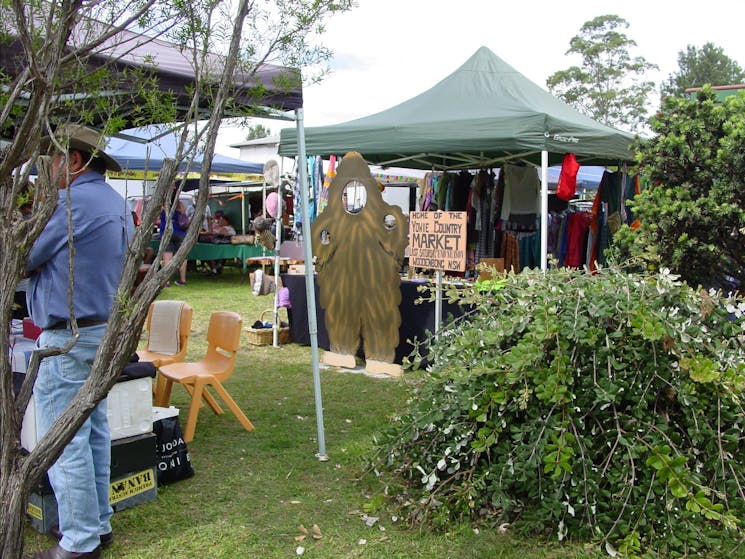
x: 177, y: 282
x: 58, y: 552
x: 106, y: 539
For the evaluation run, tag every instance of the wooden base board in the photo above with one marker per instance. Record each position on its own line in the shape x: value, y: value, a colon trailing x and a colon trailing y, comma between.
x: 338, y: 360
x: 383, y: 368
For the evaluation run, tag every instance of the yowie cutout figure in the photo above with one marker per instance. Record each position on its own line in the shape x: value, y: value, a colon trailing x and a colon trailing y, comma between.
x: 358, y: 243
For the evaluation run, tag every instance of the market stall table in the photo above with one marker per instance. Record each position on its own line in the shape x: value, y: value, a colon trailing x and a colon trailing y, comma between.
x: 219, y: 251
x: 416, y: 319
x: 265, y: 261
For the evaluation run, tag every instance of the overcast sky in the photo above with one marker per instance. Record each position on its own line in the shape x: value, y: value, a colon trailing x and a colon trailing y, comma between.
x: 387, y: 51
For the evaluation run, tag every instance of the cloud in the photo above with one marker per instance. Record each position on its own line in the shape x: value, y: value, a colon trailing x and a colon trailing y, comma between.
x: 343, y: 61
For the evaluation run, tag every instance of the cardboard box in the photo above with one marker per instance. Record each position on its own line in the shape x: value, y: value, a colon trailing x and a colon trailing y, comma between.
x: 133, y: 481
x: 133, y: 489
x: 42, y: 512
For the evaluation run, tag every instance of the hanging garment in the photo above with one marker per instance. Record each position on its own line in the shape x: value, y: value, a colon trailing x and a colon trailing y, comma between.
x: 441, y: 191
x: 521, y: 191
x: 427, y: 190
x: 510, y: 252
x: 297, y: 203
x: 567, y: 186
x: 633, y: 187
x: 483, y: 202
x: 323, y: 196
x: 577, y: 233
x: 529, y: 250
x: 460, y: 191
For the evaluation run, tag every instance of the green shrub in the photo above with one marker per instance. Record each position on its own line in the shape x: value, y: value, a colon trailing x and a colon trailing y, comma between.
x: 605, y: 408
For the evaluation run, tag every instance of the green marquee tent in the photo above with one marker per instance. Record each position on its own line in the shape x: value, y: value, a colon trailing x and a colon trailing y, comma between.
x: 482, y: 114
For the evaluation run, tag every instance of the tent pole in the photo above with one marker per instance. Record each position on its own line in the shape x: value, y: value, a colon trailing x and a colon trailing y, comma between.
x: 243, y: 211
x: 310, y: 287
x: 544, y: 210
x: 438, y: 300
x: 277, y: 255
x: 277, y: 245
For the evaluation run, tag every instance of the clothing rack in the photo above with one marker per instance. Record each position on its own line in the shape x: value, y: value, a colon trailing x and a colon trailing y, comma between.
x: 581, y: 205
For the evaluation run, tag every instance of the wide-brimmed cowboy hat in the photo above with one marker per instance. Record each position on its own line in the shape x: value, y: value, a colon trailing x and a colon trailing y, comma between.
x: 85, y: 139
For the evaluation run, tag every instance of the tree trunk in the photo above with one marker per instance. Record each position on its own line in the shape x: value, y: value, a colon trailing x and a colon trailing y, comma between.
x: 13, y: 497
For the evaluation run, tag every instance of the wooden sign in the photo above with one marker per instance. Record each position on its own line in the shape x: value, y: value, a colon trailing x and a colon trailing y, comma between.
x: 437, y: 240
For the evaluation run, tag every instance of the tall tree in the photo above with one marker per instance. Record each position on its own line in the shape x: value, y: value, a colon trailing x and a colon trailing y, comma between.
x: 609, y: 85
x: 62, y: 63
x: 257, y: 131
x: 692, y: 212
x: 697, y: 67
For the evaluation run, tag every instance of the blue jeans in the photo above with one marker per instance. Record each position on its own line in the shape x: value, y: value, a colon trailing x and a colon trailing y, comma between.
x: 80, y: 477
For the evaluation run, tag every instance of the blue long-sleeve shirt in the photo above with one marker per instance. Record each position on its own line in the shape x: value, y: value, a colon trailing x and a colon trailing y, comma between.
x: 102, y: 230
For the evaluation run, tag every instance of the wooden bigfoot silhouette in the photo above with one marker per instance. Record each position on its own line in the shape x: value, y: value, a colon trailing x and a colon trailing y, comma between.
x: 359, y: 242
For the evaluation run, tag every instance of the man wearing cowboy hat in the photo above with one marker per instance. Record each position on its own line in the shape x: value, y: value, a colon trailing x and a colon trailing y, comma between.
x: 102, y: 228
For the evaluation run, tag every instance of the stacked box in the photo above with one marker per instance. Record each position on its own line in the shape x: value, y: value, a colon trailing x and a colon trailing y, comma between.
x: 129, y: 408
x: 133, y: 481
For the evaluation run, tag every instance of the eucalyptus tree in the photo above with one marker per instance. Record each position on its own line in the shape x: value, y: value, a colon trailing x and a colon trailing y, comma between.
x: 699, y: 66
x: 610, y: 84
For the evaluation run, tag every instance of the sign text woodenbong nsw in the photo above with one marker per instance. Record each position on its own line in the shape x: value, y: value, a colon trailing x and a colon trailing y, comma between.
x: 437, y: 240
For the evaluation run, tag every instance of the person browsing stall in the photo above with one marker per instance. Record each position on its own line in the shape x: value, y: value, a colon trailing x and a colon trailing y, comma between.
x: 221, y: 225
x: 101, y: 230
x: 180, y: 222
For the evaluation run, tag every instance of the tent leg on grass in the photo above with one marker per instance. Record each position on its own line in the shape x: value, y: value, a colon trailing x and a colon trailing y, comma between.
x: 310, y: 286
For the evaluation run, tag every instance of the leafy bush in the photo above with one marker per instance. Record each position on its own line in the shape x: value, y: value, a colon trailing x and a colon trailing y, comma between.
x: 692, y: 208
x: 604, y: 408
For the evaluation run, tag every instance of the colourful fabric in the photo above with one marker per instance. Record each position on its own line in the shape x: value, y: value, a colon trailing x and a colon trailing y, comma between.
x: 567, y: 185
x: 577, y: 229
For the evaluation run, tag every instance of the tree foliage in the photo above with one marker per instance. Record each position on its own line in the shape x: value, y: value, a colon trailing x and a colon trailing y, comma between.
x: 601, y: 407
x: 697, y: 67
x: 257, y: 131
x: 692, y: 210
x: 63, y: 62
x: 609, y: 85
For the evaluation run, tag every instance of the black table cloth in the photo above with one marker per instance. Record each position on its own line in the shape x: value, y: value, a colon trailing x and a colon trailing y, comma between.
x: 416, y: 319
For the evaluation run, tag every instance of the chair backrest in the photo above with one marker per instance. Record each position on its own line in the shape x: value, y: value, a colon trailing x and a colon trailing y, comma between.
x: 223, y: 341
x: 184, y: 327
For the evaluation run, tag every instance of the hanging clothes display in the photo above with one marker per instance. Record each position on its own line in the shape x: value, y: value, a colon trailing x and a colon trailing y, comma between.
x: 522, y: 189
x: 483, y: 218
x: 577, y: 228
x: 323, y: 195
x: 315, y: 181
x: 567, y: 185
x: 610, y: 212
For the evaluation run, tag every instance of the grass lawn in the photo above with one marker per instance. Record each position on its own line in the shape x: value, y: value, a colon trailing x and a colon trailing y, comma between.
x: 253, y: 491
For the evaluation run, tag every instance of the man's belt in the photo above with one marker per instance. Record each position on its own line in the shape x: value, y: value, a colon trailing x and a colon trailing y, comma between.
x: 82, y: 323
